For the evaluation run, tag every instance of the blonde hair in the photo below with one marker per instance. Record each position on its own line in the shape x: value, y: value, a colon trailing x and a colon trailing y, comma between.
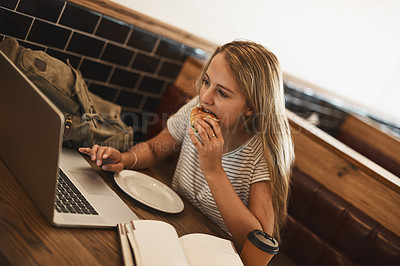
x: 258, y: 73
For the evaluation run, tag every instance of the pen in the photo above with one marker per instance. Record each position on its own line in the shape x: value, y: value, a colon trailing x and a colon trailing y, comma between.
x: 126, y: 249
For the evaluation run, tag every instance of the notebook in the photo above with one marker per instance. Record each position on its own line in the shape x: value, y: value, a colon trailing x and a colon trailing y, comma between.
x: 31, y: 146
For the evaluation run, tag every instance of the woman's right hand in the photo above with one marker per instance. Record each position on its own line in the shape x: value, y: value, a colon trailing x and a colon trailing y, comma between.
x: 109, y: 159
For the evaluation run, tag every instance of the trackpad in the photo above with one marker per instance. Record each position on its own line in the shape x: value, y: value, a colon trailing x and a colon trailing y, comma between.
x: 91, y: 183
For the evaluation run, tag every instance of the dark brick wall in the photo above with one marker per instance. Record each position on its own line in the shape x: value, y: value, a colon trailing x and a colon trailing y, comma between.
x: 330, y: 114
x: 120, y: 62
x: 330, y: 117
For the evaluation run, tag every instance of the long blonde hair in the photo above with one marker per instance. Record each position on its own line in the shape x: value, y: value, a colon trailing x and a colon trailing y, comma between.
x: 258, y: 73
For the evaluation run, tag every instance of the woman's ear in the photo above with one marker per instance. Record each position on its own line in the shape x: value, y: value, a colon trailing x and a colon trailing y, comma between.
x: 249, y: 112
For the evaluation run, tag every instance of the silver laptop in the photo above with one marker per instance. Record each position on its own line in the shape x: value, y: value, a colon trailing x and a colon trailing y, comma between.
x: 31, y: 146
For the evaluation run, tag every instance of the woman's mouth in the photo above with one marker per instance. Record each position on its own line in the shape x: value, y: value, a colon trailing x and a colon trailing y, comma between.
x: 210, y: 112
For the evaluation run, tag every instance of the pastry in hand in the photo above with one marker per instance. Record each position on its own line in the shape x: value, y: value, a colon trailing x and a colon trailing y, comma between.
x: 200, y: 113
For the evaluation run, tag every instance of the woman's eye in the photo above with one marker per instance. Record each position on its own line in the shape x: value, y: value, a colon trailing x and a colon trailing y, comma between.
x: 206, y: 82
x: 222, y: 93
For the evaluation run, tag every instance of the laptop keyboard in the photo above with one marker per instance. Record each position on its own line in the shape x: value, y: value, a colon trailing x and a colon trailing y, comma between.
x: 69, y: 199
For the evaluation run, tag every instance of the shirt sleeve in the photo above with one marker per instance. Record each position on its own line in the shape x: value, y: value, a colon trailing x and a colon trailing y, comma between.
x: 261, y: 172
x: 178, y: 123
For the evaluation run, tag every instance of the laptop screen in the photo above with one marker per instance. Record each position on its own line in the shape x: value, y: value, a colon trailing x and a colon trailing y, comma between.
x: 31, y: 136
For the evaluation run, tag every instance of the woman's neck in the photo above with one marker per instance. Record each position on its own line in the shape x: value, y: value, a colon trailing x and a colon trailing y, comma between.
x: 235, y: 140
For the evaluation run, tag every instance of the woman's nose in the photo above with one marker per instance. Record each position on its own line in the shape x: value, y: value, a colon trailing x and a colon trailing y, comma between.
x: 207, y: 96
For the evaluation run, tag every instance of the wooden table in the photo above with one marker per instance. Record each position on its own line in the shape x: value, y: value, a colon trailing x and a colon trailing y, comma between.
x: 26, y: 238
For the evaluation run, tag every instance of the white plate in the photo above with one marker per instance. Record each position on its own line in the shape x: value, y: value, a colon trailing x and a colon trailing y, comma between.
x: 149, y: 191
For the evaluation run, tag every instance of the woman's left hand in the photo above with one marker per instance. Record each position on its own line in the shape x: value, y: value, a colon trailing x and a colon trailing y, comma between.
x: 210, y: 146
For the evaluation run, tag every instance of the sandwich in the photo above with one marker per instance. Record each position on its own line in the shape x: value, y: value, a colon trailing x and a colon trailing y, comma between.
x: 199, y: 113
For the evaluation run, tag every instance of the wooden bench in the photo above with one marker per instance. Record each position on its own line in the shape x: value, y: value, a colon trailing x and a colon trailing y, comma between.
x: 344, y: 209
x: 365, y: 137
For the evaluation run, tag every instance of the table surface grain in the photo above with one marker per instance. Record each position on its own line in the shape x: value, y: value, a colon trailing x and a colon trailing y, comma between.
x: 26, y: 238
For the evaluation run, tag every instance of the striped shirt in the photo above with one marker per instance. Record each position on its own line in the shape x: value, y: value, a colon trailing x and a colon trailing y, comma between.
x: 243, y: 166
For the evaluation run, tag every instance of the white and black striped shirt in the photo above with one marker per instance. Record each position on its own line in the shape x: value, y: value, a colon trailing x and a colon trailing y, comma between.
x: 243, y: 166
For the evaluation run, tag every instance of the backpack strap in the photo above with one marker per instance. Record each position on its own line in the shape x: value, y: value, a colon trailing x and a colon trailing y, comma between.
x: 81, y: 91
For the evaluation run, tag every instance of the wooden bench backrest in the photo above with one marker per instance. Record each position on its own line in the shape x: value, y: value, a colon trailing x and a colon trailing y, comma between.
x: 366, y: 138
x: 366, y: 185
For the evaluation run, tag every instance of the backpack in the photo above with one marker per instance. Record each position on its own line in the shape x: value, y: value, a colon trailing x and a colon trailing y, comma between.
x: 89, y: 119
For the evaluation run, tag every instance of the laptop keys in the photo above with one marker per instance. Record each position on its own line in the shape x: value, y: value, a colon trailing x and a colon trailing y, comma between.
x: 69, y: 199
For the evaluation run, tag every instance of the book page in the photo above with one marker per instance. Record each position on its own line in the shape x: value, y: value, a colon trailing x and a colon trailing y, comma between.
x: 202, y: 249
x: 157, y: 244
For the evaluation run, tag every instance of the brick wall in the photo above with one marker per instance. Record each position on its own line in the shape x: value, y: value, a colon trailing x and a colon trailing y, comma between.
x: 330, y: 116
x: 120, y: 62
x: 305, y: 102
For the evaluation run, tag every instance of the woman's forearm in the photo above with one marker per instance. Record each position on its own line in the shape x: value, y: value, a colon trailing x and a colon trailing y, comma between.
x: 237, y: 217
x: 139, y: 156
x: 151, y: 151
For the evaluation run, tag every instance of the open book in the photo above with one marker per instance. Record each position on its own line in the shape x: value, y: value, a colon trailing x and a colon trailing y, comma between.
x: 157, y: 243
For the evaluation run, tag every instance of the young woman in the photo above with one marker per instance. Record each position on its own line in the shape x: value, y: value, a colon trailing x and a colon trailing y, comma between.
x: 235, y: 169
